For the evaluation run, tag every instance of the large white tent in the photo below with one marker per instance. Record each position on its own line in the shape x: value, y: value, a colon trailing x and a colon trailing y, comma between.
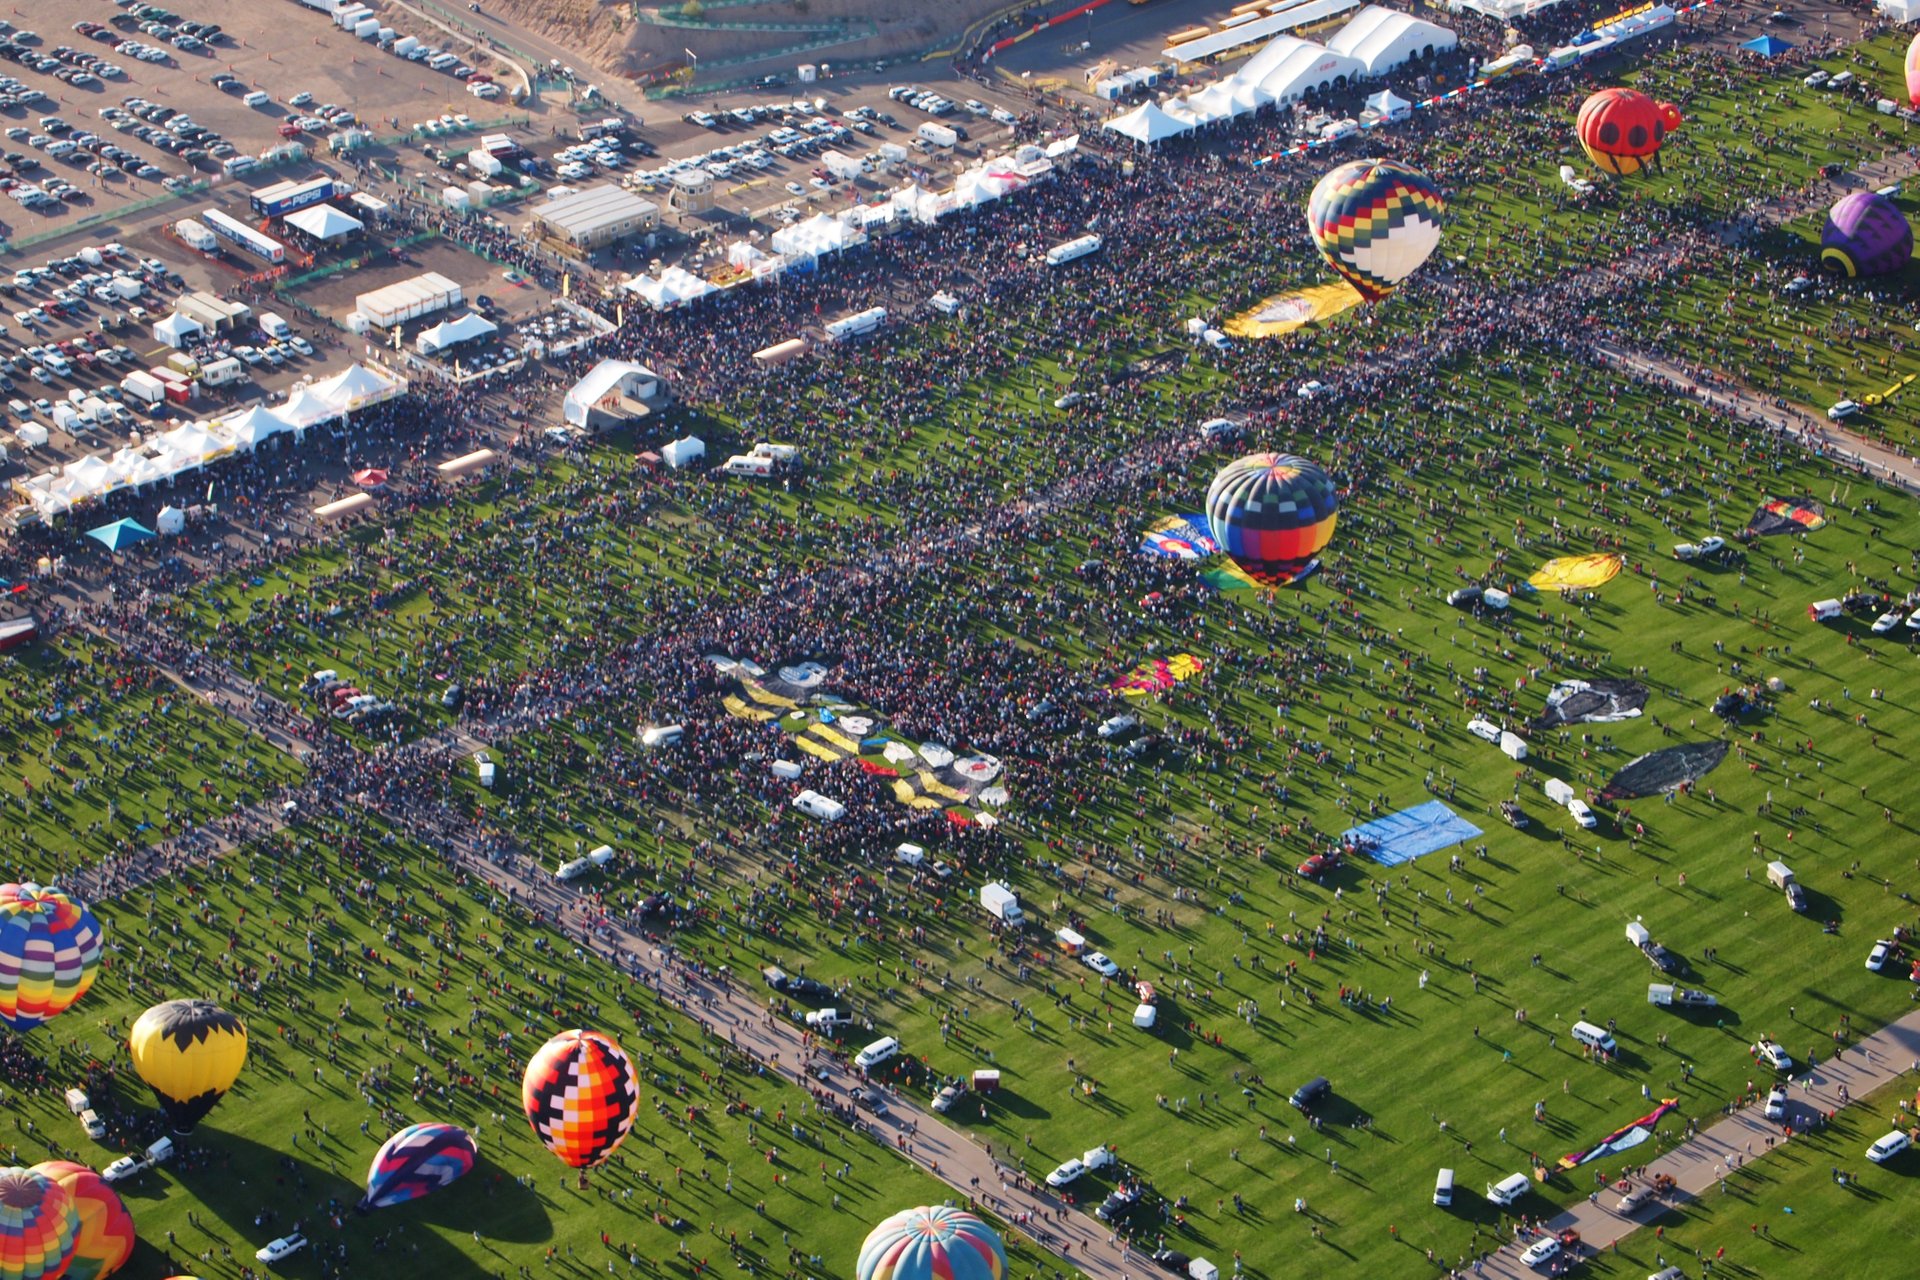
x: 451, y: 333
x: 1149, y: 123
x: 257, y: 425
x: 816, y: 237
x: 304, y: 409
x: 1289, y: 68
x: 324, y: 222
x: 1381, y: 39
x: 357, y: 386
x: 176, y: 330
x: 673, y: 287
x: 1901, y: 10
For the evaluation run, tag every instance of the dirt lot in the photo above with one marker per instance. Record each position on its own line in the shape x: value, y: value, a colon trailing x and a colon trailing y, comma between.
x: 335, y: 294
x: 279, y: 47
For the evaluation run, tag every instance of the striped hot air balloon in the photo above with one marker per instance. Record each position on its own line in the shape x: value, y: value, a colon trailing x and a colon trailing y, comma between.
x: 106, y: 1237
x: 1272, y: 514
x: 38, y: 1226
x: 49, y: 953
x: 1375, y: 222
x: 189, y: 1052
x: 582, y: 1095
x: 932, y: 1243
x: 419, y: 1159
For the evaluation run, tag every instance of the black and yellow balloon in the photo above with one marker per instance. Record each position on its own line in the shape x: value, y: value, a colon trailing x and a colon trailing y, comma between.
x: 189, y: 1052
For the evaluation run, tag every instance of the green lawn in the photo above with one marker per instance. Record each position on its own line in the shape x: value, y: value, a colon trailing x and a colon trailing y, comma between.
x: 377, y: 989
x: 100, y: 756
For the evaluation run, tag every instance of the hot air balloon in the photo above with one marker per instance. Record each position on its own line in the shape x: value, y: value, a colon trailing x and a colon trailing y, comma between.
x: 1622, y: 130
x: 936, y: 1243
x: 49, y: 952
x: 189, y: 1052
x: 38, y: 1226
x: 106, y: 1236
x: 419, y: 1159
x: 1375, y: 222
x: 1272, y: 513
x: 1913, y: 72
x: 1866, y: 235
x: 582, y: 1095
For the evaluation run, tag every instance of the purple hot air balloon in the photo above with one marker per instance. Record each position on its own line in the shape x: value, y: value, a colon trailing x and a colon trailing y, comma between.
x: 418, y: 1159
x: 1866, y: 235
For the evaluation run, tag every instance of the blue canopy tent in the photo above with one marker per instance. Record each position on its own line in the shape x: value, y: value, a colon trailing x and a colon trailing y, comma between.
x: 1767, y: 46
x: 120, y: 535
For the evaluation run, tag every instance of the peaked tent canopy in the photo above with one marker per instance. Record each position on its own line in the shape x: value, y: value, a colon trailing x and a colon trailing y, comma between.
x: 255, y: 425
x: 303, y: 409
x: 451, y: 333
x: 1148, y: 123
x: 120, y: 534
x: 1389, y: 104
x: 324, y: 222
x: 1767, y: 46
x: 355, y: 386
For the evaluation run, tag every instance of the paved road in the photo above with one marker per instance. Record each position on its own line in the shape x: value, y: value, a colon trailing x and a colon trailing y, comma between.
x: 1696, y: 1166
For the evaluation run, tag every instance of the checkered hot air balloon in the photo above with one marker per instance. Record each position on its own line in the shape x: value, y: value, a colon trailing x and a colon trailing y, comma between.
x: 1866, y: 235
x: 49, y: 952
x: 106, y: 1238
x: 1375, y: 222
x: 582, y: 1095
x: 38, y: 1226
x: 936, y: 1243
x: 419, y: 1159
x: 1622, y: 130
x: 1272, y: 513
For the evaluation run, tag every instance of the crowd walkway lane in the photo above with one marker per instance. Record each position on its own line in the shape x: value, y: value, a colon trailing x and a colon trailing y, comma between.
x: 741, y: 1015
x: 1698, y: 1164
x: 1801, y: 424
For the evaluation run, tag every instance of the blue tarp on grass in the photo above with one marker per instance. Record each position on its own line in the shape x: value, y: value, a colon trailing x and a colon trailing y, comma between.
x: 1403, y: 836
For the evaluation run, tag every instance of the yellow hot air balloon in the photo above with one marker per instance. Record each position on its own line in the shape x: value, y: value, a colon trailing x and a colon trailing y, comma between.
x: 189, y: 1052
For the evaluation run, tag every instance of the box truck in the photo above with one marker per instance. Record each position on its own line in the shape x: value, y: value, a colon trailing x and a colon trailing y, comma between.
x: 1001, y: 903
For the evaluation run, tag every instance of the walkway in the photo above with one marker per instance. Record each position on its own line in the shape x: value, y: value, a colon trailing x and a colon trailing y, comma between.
x: 1698, y: 1164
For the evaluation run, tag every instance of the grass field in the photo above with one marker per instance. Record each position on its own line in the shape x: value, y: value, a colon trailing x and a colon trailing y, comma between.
x: 1440, y: 998
x: 100, y: 756
x: 381, y: 997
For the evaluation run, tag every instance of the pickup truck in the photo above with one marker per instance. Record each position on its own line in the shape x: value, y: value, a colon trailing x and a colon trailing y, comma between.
x: 1705, y: 547
x: 126, y: 1166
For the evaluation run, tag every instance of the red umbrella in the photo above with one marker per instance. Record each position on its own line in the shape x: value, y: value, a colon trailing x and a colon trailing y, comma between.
x: 371, y: 478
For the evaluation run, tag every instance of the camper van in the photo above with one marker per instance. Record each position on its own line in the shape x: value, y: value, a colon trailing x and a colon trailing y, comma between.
x: 1508, y: 1189
x: 876, y: 1053
x: 741, y: 464
x: 1823, y: 610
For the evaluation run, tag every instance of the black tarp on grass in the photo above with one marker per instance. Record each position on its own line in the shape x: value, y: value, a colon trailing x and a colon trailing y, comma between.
x: 1668, y: 769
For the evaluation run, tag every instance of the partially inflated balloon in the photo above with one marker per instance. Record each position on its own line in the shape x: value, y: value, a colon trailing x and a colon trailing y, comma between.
x: 419, y: 1159
x: 1622, y: 130
x: 49, y: 952
x: 38, y: 1226
x: 1913, y: 72
x: 106, y: 1236
x: 1866, y: 235
x: 189, y: 1052
x: 1272, y: 513
x: 938, y: 1243
x: 582, y: 1095
x: 1375, y: 222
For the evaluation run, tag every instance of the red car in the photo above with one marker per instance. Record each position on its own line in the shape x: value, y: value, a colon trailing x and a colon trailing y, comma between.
x: 1319, y: 864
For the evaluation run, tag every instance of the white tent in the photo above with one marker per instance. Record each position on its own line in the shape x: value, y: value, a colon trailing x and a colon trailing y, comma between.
x: 1286, y: 69
x: 673, y: 287
x: 303, y: 409
x: 1381, y: 39
x: 1223, y: 100
x: 176, y: 330
x: 1388, y: 105
x: 185, y: 446
x: 451, y: 333
x: 1149, y: 123
x: 357, y: 386
x: 1901, y: 10
x: 171, y: 521
x: 254, y: 426
x: 816, y: 237
x: 684, y: 452
x: 324, y: 222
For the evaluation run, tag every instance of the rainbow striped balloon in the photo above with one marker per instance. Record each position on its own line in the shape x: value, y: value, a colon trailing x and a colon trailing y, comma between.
x: 38, y: 1226
x: 106, y: 1237
x: 1375, y: 222
x: 49, y: 952
x: 932, y: 1243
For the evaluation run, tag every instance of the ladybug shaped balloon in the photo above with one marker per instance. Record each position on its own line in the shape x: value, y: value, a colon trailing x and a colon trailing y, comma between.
x: 1622, y: 130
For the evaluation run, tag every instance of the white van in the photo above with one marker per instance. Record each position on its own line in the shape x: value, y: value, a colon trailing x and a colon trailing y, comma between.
x: 741, y: 464
x: 1823, y: 610
x: 876, y: 1053
x: 1508, y: 1189
x: 911, y: 855
x: 569, y: 871
x: 1582, y: 814
x: 1594, y: 1037
x: 1443, y: 1188
x: 258, y: 98
x: 1888, y: 1147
